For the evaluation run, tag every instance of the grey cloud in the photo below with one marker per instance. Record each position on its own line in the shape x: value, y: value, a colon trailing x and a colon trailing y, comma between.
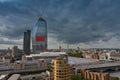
x: 72, y: 21
x: 2, y: 41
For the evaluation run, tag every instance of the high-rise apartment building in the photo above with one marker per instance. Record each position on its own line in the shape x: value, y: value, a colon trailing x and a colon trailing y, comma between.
x: 14, y: 51
x: 26, y: 42
x: 62, y: 71
x: 39, y: 36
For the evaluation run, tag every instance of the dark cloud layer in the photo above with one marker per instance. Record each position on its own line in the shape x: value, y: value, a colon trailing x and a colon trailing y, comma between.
x: 71, y: 21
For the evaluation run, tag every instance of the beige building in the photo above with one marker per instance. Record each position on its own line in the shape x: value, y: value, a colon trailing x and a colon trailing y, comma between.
x: 4, y: 61
x: 87, y: 74
x: 62, y: 71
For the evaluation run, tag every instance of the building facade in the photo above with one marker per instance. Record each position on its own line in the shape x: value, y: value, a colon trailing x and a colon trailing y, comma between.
x: 62, y: 71
x: 87, y: 74
x: 26, y: 42
x: 39, y: 64
x: 39, y: 36
x: 14, y: 51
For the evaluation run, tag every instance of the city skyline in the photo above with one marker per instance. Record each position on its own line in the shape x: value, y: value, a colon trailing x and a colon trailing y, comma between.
x: 83, y: 23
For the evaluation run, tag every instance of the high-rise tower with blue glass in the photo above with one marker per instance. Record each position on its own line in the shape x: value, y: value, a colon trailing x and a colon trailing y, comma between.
x: 26, y: 42
x: 39, y: 36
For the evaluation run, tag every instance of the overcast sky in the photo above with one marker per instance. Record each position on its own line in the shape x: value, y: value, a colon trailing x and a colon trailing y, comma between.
x: 83, y: 23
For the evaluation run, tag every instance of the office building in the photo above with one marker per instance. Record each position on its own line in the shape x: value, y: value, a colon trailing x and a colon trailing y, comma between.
x: 14, y: 51
x: 39, y: 36
x: 26, y: 42
x: 62, y: 71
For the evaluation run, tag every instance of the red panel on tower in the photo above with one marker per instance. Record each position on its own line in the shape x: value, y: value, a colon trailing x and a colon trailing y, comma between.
x: 40, y: 38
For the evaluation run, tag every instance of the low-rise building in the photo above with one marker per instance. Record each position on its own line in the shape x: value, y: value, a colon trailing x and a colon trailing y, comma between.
x: 87, y: 74
x: 48, y: 56
x: 38, y: 64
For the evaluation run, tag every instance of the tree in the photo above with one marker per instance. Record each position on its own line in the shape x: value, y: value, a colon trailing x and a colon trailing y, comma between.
x: 49, y: 68
x: 116, y: 78
x: 75, y: 54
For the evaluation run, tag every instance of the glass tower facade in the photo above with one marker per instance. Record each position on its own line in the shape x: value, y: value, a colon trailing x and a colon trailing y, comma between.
x: 26, y: 42
x: 39, y: 36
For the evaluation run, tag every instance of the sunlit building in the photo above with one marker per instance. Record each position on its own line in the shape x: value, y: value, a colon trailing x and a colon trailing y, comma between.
x: 39, y: 36
x: 62, y: 71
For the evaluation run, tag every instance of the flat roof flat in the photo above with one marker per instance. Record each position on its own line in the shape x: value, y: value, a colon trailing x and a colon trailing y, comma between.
x: 14, y: 77
x: 115, y: 74
x: 3, y: 76
x: 47, y: 54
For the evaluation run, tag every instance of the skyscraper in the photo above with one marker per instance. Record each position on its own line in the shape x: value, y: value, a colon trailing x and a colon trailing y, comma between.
x: 26, y: 42
x: 39, y: 36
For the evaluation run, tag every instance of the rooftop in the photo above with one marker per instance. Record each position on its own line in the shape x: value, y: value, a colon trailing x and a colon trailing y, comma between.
x: 115, y: 74
x: 47, y: 54
x: 14, y: 77
x: 3, y: 76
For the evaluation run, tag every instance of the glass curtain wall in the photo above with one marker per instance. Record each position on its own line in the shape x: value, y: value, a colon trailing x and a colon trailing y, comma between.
x: 39, y: 36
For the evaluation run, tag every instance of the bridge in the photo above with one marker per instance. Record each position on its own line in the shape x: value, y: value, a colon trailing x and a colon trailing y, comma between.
x: 13, y: 71
x: 9, y: 69
x: 99, y: 66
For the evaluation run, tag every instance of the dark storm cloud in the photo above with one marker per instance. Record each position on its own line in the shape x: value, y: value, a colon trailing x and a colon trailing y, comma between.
x: 2, y: 41
x: 71, y: 21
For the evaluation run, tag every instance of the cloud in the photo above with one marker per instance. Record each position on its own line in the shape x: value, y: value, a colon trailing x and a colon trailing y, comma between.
x: 10, y: 42
x: 5, y: 0
x: 92, y: 24
x: 70, y: 21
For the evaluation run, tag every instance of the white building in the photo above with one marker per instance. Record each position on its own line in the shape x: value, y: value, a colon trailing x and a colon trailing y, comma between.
x: 49, y: 56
